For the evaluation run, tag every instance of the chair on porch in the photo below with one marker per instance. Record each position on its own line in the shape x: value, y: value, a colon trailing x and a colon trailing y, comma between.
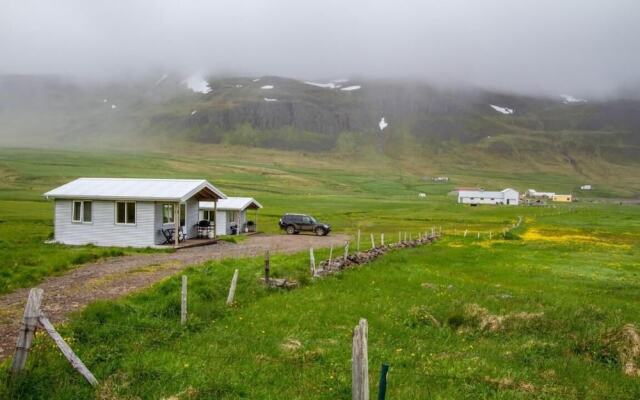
x: 167, y: 232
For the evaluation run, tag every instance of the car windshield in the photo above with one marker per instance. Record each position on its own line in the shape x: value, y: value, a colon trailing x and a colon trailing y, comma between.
x: 312, y: 220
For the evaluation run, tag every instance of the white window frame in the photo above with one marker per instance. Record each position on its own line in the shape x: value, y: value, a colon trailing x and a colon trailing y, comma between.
x: 173, y: 213
x: 135, y: 213
x: 81, y: 220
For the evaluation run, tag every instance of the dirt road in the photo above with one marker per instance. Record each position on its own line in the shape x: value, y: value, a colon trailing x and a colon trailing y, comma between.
x: 115, y: 277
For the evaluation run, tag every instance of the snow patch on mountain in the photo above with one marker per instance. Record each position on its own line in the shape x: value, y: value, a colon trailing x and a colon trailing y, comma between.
x: 197, y: 84
x: 330, y: 85
x: 568, y: 99
x: 502, y: 110
x: 382, y: 124
x: 351, y: 88
x: 268, y: 99
x: 267, y: 87
x: 162, y: 79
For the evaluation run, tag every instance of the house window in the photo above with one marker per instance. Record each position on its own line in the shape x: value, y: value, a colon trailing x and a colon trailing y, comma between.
x: 126, y: 212
x: 167, y: 214
x: 232, y: 216
x: 82, y: 211
x: 207, y: 215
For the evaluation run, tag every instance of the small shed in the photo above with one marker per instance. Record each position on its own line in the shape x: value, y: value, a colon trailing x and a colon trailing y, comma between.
x: 127, y: 211
x: 562, y: 198
x: 231, y: 215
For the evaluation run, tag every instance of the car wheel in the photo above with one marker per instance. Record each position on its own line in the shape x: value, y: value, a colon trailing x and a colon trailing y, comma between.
x: 291, y: 230
x: 320, y: 231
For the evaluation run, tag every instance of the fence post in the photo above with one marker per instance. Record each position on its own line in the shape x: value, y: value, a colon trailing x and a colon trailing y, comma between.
x: 405, y: 236
x: 27, y: 329
x: 478, y: 234
x: 399, y: 237
x: 232, y: 288
x: 373, y: 243
x: 312, y: 262
x: 68, y: 353
x: 433, y: 232
x: 346, y: 250
x: 490, y: 235
x: 267, y: 267
x: 358, y: 243
x: 465, y: 233
x: 382, y: 239
x: 330, y: 255
x: 183, y: 302
x: 382, y: 386
x: 360, y: 362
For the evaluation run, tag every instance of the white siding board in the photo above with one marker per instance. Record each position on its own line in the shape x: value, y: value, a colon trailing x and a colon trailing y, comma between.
x: 103, y: 231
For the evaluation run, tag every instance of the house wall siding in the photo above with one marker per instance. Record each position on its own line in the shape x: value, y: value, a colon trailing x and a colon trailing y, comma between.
x: 103, y: 231
x: 221, y: 223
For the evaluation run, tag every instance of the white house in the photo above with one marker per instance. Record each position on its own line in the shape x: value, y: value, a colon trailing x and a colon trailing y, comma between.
x: 585, y: 187
x: 230, y: 214
x: 506, y: 196
x: 536, y: 194
x: 128, y: 212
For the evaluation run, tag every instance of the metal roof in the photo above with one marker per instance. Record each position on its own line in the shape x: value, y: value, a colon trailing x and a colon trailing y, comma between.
x: 135, y: 189
x: 232, y: 203
x: 485, y: 193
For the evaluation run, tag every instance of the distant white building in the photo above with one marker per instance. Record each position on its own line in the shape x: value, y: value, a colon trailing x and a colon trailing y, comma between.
x: 506, y: 196
x: 441, y: 179
x: 585, y: 187
x: 536, y: 194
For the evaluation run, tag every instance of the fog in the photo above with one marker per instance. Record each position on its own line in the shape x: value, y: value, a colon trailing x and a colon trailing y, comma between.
x: 579, y: 47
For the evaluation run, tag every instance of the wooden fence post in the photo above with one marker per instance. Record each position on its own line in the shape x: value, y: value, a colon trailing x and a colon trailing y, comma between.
x: 373, y: 243
x: 358, y: 242
x: 183, y: 302
x: 346, y: 250
x: 360, y: 362
x: 232, y: 288
x: 478, y: 235
x: 330, y: 255
x: 465, y: 233
x: 405, y: 236
x: 27, y: 329
x: 267, y: 267
x: 399, y: 237
x: 433, y: 232
x: 490, y: 235
x: 382, y: 239
x: 76, y: 362
x: 312, y: 262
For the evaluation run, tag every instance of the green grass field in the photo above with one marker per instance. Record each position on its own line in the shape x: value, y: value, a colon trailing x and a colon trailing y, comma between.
x: 519, y: 318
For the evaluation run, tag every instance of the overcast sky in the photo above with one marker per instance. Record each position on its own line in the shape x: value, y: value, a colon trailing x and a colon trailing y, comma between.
x: 581, y: 47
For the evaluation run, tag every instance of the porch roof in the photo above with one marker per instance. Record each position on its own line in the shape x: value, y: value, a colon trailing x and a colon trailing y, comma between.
x: 173, y: 190
x: 232, y: 204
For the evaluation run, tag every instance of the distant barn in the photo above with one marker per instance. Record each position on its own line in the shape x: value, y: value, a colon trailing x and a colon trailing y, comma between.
x: 474, y: 197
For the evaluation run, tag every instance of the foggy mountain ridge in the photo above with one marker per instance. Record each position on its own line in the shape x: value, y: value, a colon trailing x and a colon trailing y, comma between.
x: 271, y: 111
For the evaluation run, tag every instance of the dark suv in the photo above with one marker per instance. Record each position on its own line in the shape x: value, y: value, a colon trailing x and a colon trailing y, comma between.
x: 295, y: 223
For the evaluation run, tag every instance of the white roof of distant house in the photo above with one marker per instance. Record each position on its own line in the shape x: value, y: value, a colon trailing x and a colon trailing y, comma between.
x: 174, y: 190
x: 232, y: 204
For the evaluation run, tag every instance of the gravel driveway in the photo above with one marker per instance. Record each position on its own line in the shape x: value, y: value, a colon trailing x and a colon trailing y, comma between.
x: 115, y: 277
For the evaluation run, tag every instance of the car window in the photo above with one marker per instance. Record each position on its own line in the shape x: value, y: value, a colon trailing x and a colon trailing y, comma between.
x: 312, y: 220
x: 306, y: 220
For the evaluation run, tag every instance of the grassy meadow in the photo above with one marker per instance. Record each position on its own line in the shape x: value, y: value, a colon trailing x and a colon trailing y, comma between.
x: 526, y: 316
